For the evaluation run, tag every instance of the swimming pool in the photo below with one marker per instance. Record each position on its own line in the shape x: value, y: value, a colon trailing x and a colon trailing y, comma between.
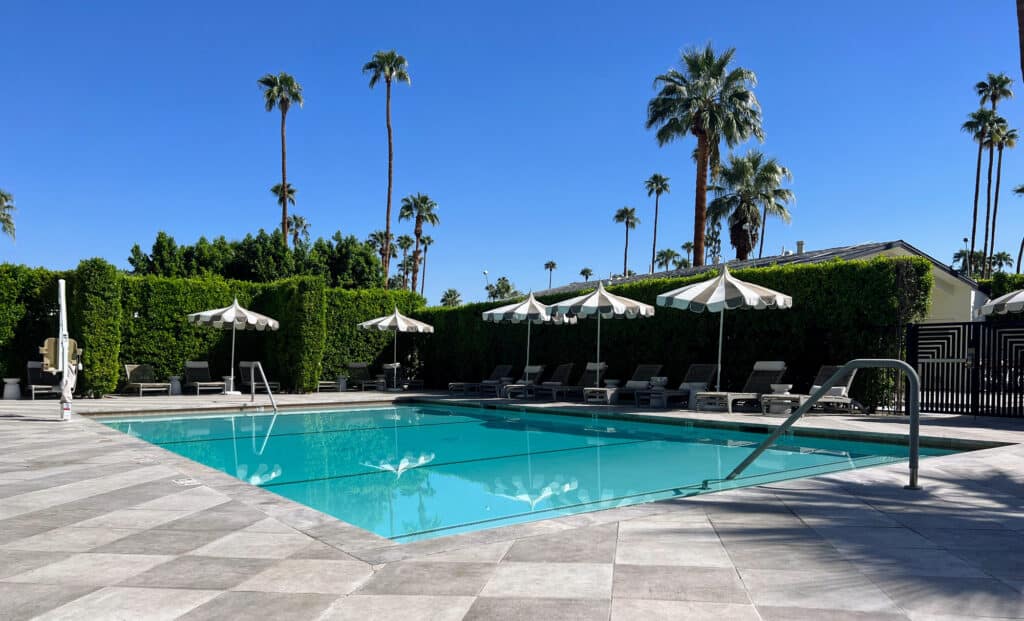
x: 413, y: 472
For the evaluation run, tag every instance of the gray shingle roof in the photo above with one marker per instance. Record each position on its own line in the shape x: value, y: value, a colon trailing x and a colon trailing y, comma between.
x: 859, y: 251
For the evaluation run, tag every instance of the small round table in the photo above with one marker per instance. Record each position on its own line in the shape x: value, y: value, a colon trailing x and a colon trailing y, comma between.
x: 175, y: 384
x: 11, y: 388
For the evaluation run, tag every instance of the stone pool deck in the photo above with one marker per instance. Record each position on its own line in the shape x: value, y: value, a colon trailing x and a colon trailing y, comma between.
x: 97, y: 525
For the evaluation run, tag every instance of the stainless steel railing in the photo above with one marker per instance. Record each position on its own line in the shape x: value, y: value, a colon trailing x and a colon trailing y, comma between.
x: 913, y: 409
x: 266, y: 384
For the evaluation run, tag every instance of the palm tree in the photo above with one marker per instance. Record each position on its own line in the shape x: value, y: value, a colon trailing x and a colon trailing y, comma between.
x: 1004, y: 138
x: 712, y: 102
x: 968, y: 265
x: 376, y: 241
x: 748, y: 182
x: 627, y: 216
x: 299, y: 227
x: 426, y: 242
x: 999, y: 125
x: 586, y: 273
x: 451, y: 297
x: 281, y: 91
x: 550, y: 266
x: 977, y: 125
x: 656, y: 185
x: 680, y: 263
x: 666, y: 257
x: 421, y: 210
x: 389, y: 66
x: 688, y: 249
x: 404, y: 244
x: 284, y: 198
x: 999, y: 260
x: 7, y: 209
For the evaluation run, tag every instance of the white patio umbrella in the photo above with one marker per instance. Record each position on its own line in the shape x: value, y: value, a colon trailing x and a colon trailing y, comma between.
x: 1012, y: 302
x: 235, y: 318
x: 529, y: 310
x: 720, y: 294
x: 397, y: 322
x: 605, y: 305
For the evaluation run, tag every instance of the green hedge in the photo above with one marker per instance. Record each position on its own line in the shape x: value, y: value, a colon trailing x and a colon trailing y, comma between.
x: 295, y: 352
x: 841, y: 310
x: 28, y: 314
x: 94, y: 301
x: 346, y: 343
x: 1001, y: 284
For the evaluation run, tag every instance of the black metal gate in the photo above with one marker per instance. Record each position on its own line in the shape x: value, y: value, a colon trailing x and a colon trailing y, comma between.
x: 969, y: 368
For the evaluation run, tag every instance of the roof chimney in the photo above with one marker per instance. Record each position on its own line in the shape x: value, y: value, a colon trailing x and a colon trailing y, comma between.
x: 800, y: 247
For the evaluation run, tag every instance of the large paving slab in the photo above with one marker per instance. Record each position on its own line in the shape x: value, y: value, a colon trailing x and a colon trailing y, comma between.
x: 96, y: 524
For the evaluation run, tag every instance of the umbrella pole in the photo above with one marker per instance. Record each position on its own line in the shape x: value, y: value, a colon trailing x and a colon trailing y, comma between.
x: 597, y: 374
x: 529, y: 327
x: 232, y: 371
x: 721, y: 326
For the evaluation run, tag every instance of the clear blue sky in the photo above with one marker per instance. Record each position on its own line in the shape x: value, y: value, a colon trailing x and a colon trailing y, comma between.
x: 524, y: 121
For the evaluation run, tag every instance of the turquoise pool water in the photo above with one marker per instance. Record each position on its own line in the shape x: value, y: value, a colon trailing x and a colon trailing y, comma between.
x: 418, y: 471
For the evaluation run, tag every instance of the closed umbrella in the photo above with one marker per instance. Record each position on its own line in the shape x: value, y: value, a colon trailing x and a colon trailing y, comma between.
x: 529, y: 310
x: 397, y: 322
x: 720, y: 294
x: 235, y: 318
x: 1012, y: 302
x: 604, y: 305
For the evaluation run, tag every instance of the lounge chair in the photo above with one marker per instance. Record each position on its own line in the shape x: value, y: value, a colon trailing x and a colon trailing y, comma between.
x: 141, y: 378
x: 837, y: 398
x: 250, y: 381
x: 531, y: 377
x: 764, y: 374
x: 407, y: 382
x: 39, y: 382
x: 697, y: 379
x: 641, y: 380
x: 559, y: 377
x: 590, y: 378
x: 197, y: 377
x: 359, y: 377
x: 499, y: 372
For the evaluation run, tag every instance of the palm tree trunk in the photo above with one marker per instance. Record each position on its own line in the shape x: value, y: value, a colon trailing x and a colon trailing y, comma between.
x: 1020, y: 253
x: 391, y: 166
x: 977, y: 189
x: 625, y: 253
x: 700, y: 201
x: 654, y: 244
x: 988, y: 213
x: 405, y: 273
x: 1020, y: 41
x: 423, y: 280
x: 995, y: 203
x: 764, y: 225
x: 284, y: 180
x: 550, y: 274
x: 418, y: 233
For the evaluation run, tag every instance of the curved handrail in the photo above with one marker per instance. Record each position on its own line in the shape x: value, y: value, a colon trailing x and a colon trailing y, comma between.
x: 266, y: 384
x: 913, y: 409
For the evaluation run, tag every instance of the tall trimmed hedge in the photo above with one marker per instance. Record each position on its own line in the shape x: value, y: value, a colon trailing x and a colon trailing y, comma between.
x: 28, y: 314
x: 294, y: 353
x: 347, y: 343
x: 841, y: 310
x: 1001, y: 284
x: 94, y: 301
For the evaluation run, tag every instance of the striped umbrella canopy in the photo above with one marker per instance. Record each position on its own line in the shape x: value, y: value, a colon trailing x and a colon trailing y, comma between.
x: 397, y: 322
x: 1012, y: 302
x: 604, y: 305
x: 720, y: 294
x: 234, y: 318
x: 530, y: 311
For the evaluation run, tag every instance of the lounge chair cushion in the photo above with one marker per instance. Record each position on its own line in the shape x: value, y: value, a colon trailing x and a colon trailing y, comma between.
x: 835, y: 391
x: 636, y: 385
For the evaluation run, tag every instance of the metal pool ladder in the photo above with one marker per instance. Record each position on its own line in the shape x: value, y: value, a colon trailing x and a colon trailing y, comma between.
x: 913, y: 409
x: 266, y: 384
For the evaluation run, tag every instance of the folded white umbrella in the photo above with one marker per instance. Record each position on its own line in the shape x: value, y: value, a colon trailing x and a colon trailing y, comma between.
x: 720, y: 294
x: 604, y: 305
x: 529, y: 310
x: 397, y: 322
x: 1012, y: 302
x: 233, y: 318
